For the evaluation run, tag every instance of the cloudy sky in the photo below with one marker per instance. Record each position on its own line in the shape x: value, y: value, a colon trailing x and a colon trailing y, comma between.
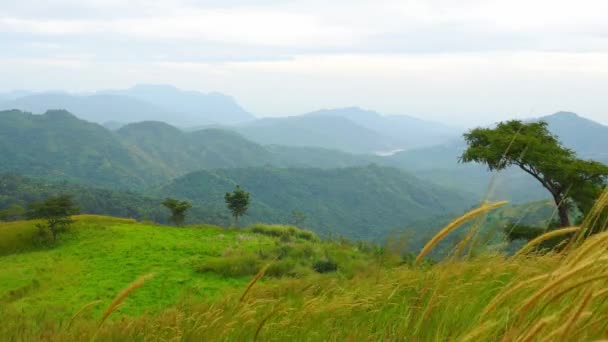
x: 457, y: 61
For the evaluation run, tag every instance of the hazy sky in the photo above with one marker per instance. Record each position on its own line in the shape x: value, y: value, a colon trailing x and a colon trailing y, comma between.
x: 458, y: 61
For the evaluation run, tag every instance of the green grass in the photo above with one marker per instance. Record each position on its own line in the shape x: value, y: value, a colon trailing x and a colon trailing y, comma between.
x: 100, y: 256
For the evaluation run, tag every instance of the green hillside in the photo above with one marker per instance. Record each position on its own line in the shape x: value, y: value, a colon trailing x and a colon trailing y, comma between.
x: 181, y: 152
x: 357, y: 202
x: 278, y: 283
x: 99, y: 256
x: 58, y: 145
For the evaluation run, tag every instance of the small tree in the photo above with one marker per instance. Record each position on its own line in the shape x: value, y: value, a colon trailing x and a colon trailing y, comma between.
x: 237, y: 202
x: 178, y: 210
x: 56, y: 211
x: 297, y: 217
x: 531, y: 147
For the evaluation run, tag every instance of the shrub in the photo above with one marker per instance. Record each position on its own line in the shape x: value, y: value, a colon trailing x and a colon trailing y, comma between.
x: 285, y: 233
x: 232, y: 266
x: 281, y: 268
x: 325, y: 266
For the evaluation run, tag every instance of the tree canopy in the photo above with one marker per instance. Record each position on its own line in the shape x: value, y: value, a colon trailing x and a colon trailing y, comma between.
x: 178, y: 210
x: 237, y: 202
x: 572, y: 182
x: 56, y: 211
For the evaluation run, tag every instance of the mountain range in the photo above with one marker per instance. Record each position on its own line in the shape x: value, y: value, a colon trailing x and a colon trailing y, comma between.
x: 352, y: 129
x: 139, y: 103
x: 349, y: 129
x: 351, y: 171
x: 157, y: 160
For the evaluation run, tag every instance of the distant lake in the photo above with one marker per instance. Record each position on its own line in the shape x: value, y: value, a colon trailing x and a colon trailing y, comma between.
x: 388, y: 153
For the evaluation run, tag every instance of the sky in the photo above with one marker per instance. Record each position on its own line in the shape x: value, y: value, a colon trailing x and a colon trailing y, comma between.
x: 457, y: 61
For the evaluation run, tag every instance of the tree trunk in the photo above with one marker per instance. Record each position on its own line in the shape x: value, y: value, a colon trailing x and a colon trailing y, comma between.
x: 562, y: 211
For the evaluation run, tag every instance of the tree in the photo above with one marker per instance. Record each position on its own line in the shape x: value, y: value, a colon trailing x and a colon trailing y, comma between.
x: 57, y: 211
x: 237, y: 202
x: 297, y: 217
x: 531, y: 147
x: 178, y: 210
x: 13, y: 213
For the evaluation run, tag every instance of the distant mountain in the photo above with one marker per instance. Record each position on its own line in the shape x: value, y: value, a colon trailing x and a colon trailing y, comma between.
x: 94, y: 108
x: 359, y: 202
x: 140, y: 103
x: 329, y: 132
x: 190, y: 107
x: 352, y: 130
x: 11, y: 95
x: 406, y: 131
x: 440, y: 163
x: 588, y: 138
x: 59, y: 145
x: 180, y: 152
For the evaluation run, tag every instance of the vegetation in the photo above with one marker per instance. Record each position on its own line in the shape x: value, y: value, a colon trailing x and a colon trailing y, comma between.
x: 101, y: 255
x: 57, y: 145
x: 178, y: 210
x: 298, y: 218
x: 237, y: 202
x: 353, y: 294
x: 361, y: 203
x: 20, y: 191
x: 497, y: 272
x: 13, y: 213
x: 56, y: 212
x: 532, y: 148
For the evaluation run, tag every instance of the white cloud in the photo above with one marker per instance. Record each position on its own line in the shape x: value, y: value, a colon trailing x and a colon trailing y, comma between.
x: 445, y: 59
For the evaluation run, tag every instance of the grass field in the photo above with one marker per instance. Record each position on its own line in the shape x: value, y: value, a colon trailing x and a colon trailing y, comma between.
x: 204, y: 288
x: 101, y: 255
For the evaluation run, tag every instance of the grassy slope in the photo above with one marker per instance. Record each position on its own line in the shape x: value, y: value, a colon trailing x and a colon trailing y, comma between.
x: 489, y: 297
x: 103, y: 255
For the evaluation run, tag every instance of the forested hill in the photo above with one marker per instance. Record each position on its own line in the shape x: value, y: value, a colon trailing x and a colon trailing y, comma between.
x: 358, y: 202
x: 588, y: 138
x: 58, y: 145
x: 181, y: 152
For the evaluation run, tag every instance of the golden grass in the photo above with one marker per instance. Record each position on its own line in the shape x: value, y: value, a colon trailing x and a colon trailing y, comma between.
x: 253, y: 281
x: 83, y: 309
x: 455, y: 224
x: 120, y: 298
x: 544, y: 237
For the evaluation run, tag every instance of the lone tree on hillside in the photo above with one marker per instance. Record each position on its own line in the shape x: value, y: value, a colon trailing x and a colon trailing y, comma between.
x: 297, y: 218
x: 237, y: 202
x: 56, y: 211
x: 178, y: 210
x: 572, y: 182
